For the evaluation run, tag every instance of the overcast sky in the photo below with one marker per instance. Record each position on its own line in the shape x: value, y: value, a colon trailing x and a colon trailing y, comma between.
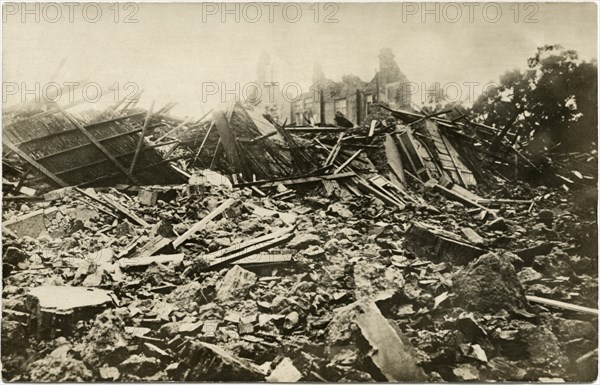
x: 171, y: 49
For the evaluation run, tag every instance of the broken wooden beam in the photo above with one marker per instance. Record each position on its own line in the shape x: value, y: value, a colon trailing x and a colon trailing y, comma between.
x: 243, y: 245
x: 250, y: 250
x: 502, y: 201
x: 148, y: 260
x: 562, y: 305
x: 204, y: 140
x: 334, y: 152
x: 459, y: 197
x: 34, y: 163
x: 200, y: 225
x: 295, y: 181
x: 319, y: 130
x: 263, y: 259
x: 472, y: 236
x: 348, y: 161
x: 227, y: 138
x: 140, y: 142
x: 153, y: 246
x: 394, y: 159
x: 438, y: 245
x: 383, y: 196
x: 126, y: 212
x: 372, y: 128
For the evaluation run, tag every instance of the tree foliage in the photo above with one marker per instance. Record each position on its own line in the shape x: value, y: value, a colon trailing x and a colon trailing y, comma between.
x: 553, y: 102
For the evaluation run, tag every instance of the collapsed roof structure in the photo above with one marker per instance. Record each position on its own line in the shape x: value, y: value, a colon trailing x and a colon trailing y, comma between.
x: 93, y: 149
x: 393, y: 150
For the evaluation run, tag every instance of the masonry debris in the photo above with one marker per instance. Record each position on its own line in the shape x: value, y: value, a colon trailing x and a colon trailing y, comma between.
x: 142, y: 247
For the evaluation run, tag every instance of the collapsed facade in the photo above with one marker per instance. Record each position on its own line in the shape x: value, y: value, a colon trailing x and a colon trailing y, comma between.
x: 352, y: 96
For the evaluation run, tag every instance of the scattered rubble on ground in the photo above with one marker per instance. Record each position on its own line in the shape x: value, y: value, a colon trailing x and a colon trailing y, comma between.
x: 374, y: 253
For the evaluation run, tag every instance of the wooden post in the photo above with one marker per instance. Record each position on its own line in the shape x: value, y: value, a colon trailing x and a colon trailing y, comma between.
x: 214, y: 158
x: 141, y: 140
x: 204, y: 141
x: 228, y: 140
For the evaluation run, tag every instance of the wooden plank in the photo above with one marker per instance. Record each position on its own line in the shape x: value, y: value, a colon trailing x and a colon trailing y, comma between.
x: 142, y: 138
x: 151, y: 247
x: 99, y: 146
x: 294, y: 181
x: 472, y: 236
x: 200, y: 225
x: 500, y: 201
x: 394, y: 160
x: 264, y: 136
x: 243, y: 245
x: 35, y: 164
x: 461, y: 198
x: 372, y: 128
x: 385, y: 198
x: 258, y: 191
x: 250, y: 250
x: 448, y: 146
x: 19, y: 188
x: 263, y: 259
x: 101, y: 209
x: 148, y: 260
x: 93, y: 198
x: 227, y: 140
x: 182, y: 172
x: 348, y: 161
x: 379, y: 183
x: 214, y: 158
x: 562, y: 305
x: 406, y: 152
x: 114, y: 206
x: 334, y: 152
x: 319, y: 130
x: 204, y: 140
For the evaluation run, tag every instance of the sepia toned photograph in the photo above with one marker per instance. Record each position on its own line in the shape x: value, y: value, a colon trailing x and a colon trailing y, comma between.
x: 315, y: 192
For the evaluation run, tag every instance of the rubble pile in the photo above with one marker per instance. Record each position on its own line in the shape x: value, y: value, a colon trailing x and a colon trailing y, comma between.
x: 311, y: 260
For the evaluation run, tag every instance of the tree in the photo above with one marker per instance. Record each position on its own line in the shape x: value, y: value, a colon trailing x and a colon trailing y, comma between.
x: 553, y: 102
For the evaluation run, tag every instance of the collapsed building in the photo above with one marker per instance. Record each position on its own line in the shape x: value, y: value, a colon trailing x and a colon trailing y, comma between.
x: 325, y: 97
x: 236, y: 247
